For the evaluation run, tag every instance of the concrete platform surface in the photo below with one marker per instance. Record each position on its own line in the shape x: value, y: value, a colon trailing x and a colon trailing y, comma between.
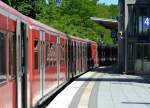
x: 103, y: 88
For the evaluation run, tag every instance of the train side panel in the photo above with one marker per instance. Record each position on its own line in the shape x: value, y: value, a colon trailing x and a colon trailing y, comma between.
x: 7, y: 60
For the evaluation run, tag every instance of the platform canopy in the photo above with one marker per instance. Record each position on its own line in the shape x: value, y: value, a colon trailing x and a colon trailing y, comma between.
x: 107, y: 23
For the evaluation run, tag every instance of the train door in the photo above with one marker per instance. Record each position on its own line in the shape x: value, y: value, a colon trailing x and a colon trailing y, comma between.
x: 77, y: 58
x: 22, y: 65
x: 86, y: 57
x: 42, y: 62
x: 74, y: 58
x: 62, y: 53
x: 69, y: 58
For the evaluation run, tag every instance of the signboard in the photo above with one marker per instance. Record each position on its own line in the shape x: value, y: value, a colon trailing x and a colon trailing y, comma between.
x: 114, y: 34
x: 146, y: 22
x: 58, y: 2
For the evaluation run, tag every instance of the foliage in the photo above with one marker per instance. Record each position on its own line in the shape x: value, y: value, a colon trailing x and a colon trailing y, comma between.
x: 72, y: 16
x: 27, y: 7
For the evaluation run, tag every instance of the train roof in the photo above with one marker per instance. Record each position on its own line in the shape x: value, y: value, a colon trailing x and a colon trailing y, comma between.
x: 107, y: 23
x: 46, y: 27
x: 78, y: 38
x: 82, y: 40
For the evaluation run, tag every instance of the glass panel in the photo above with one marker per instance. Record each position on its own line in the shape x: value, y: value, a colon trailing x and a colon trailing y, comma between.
x: 66, y: 53
x: 147, y: 52
x: 62, y: 54
x: 35, y: 54
x: 2, y: 56
x: 47, y: 53
x: 52, y: 53
x: 12, y: 56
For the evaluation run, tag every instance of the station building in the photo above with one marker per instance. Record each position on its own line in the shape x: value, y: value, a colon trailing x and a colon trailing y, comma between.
x: 134, y: 36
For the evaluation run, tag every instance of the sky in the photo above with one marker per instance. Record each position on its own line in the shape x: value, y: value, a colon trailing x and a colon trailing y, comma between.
x: 108, y: 2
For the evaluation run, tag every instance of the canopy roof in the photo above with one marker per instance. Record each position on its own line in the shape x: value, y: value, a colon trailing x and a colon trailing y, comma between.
x: 107, y: 23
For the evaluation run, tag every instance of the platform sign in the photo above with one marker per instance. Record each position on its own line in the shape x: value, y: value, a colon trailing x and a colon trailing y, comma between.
x: 114, y: 34
x: 146, y: 22
x: 58, y: 1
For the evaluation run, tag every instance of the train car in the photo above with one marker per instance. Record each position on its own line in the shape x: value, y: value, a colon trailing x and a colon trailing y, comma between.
x: 32, y: 59
x: 12, y: 28
x: 77, y: 54
x: 47, y: 60
x: 92, y: 54
x: 36, y: 60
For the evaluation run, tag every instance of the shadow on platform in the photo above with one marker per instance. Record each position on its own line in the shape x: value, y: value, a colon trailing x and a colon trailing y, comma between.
x: 112, y: 71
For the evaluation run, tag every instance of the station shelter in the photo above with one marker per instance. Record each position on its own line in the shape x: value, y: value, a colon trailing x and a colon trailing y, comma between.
x: 134, y: 36
x: 107, y: 54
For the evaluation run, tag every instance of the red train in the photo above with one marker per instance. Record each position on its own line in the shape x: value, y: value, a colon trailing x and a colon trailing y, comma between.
x: 36, y: 60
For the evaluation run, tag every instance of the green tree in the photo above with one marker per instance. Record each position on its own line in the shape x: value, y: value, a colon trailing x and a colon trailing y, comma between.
x: 28, y: 7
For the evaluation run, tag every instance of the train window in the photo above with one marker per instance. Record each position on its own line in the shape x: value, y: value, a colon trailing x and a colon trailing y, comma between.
x: 35, y: 54
x: 2, y: 56
x: 11, y: 56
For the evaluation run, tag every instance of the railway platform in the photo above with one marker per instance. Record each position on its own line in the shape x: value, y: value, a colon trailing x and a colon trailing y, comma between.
x: 104, y: 88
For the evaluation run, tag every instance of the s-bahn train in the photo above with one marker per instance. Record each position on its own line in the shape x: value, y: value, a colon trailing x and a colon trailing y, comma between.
x: 36, y: 60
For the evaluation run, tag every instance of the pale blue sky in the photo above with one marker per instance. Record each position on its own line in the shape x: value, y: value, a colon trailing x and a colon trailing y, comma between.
x: 108, y: 2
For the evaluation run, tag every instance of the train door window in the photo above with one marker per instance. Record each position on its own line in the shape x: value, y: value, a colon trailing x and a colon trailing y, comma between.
x: 36, y: 54
x: 12, y: 55
x: 47, y: 53
x: 52, y: 53
x: 83, y: 54
x: 66, y: 53
x: 2, y: 56
x: 62, y: 54
x: 76, y: 51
